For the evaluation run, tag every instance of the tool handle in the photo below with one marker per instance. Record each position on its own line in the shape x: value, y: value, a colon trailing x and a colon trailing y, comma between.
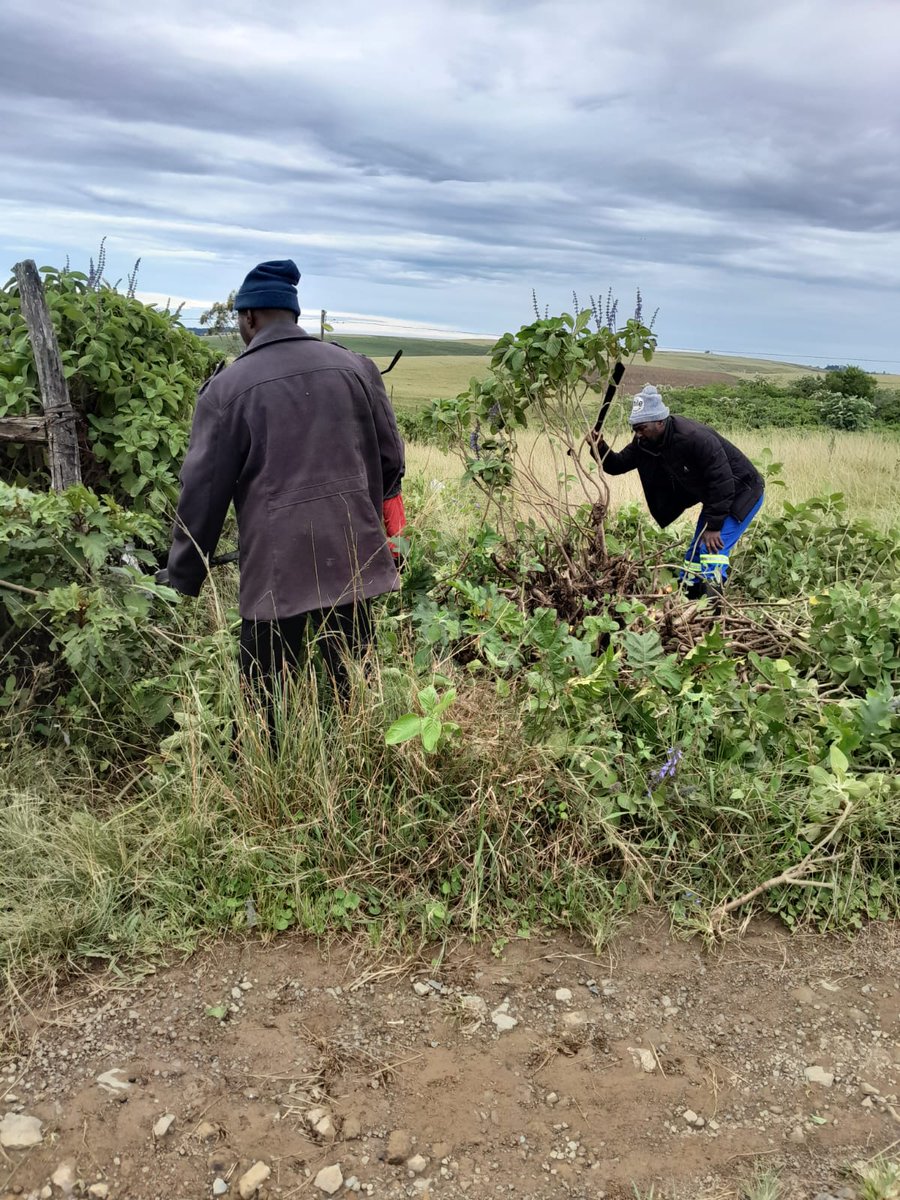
x: 618, y: 372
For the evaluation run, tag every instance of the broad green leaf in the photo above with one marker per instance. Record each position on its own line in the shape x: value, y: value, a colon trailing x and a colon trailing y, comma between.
x: 431, y: 733
x: 403, y: 729
x: 838, y: 760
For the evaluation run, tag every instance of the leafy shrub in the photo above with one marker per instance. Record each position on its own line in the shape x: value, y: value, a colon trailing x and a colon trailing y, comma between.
x: 851, y: 381
x: 74, y: 617
x: 809, y: 547
x: 756, y: 404
x: 804, y: 403
x: 846, y: 412
x: 133, y: 374
x: 887, y: 407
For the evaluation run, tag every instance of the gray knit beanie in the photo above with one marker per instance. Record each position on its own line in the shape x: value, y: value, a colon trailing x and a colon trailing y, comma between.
x: 647, y: 405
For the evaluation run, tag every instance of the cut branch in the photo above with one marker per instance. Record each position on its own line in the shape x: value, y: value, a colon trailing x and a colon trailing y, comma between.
x: 792, y: 875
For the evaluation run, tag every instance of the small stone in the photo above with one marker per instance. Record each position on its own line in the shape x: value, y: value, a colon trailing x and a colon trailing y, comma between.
x: 868, y: 1090
x: 819, y: 1075
x: 351, y: 1129
x: 417, y: 1164
x: 110, y: 1081
x: 163, y: 1125
x: 692, y: 1119
x: 399, y: 1147
x: 237, y: 994
x: 46, y: 1192
x: 99, y: 1191
x: 474, y: 1006
x: 563, y: 995
x: 645, y: 1059
x: 325, y: 1128
x: 220, y: 1187
x: 18, y: 1131
x: 552, y: 1098
x: 797, y: 1135
x: 64, y: 1178
x: 804, y: 995
x: 503, y: 1021
x: 575, y: 1019
x: 251, y: 1181
x: 329, y: 1180
x: 421, y: 989
x: 206, y: 1131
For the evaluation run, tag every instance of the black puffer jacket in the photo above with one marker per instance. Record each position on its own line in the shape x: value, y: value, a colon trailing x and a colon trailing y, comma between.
x: 691, y: 465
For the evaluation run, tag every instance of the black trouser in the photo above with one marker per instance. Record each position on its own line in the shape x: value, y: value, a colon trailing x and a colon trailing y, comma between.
x: 270, y: 648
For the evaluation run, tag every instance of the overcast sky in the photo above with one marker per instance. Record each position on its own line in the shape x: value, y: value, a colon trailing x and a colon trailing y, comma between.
x: 432, y: 162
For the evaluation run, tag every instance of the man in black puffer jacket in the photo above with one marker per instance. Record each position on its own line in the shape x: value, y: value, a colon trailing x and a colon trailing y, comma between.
x: 682, y: 463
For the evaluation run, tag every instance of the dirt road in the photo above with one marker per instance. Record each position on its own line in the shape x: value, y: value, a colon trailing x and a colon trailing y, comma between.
x: 540, y: 1071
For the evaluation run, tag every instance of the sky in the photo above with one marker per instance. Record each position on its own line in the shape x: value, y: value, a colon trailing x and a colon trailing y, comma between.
x: 427, y: 165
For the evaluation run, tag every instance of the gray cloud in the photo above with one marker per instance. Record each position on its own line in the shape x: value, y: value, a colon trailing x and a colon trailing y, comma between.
x: 445, y: 158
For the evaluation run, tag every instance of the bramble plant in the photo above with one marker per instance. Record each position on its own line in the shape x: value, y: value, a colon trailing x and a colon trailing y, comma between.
x: 133, y: 374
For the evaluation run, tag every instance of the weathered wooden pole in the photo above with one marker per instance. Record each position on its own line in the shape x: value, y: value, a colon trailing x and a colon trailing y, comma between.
x: 59, y: 415
x: 322, y: 325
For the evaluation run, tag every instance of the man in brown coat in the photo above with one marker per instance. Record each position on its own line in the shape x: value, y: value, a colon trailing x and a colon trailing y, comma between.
x: 300, y: 435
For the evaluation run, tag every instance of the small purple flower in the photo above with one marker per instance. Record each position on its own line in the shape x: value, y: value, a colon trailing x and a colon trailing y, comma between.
x: 474, y: 442
x: 668, y: 769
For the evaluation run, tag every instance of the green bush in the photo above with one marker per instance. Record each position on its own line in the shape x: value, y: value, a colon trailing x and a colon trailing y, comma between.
x: 79, y: 652
x: 806, y: 402
x: 133, y: 374
x: 851, y: 381
x: 756, y: 404
x: 849, y: 413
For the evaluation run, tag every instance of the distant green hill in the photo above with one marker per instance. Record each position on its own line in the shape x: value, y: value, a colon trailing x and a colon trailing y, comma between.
x: 387, y: 347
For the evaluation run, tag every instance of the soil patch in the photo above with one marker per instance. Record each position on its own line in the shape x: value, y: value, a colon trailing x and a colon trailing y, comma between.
x: 637, y: 374
x: 539, y: 1071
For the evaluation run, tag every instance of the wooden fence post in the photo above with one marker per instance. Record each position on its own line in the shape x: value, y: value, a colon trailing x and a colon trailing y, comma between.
x: 59, y: 415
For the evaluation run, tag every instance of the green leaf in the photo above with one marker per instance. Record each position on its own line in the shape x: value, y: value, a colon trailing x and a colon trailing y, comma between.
x: 446, y: 700
x: 219, y: 1011
x: 404, y: 728
x: 431, y: 733
x: 839, y: 762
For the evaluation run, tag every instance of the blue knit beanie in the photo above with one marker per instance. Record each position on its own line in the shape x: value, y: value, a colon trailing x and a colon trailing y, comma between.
x: 647, y: 405
x: 270, y: 285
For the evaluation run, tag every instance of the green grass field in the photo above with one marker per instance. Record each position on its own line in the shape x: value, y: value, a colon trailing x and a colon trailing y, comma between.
x: 435, y: 367
x: 420, y: 378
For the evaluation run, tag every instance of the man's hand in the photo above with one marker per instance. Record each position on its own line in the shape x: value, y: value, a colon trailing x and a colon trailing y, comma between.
x: 713, y: 540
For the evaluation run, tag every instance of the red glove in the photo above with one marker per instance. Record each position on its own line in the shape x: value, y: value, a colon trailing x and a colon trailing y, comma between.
x: 394, y: 516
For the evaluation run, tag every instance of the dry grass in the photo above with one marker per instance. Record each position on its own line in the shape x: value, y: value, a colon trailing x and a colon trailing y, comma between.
x: 864, y: 467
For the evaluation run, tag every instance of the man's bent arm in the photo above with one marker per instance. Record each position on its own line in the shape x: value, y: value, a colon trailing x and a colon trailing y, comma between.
x: 616, y: 463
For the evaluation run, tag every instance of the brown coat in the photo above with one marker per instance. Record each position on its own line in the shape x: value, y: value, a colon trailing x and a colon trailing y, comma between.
x: 300, y: 435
